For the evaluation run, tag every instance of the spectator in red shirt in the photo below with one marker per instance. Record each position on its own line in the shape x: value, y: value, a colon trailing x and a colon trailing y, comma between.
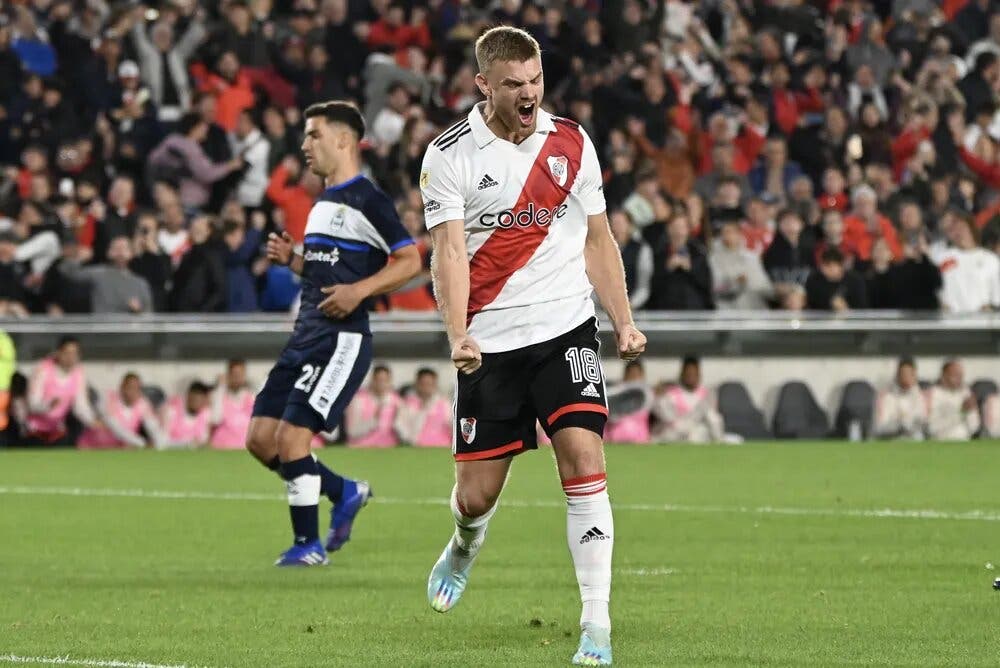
x: 834, y: 187
x: 758, y: 229
x: 292, y: 190
x: 391, y: 29
x: 865, y: 224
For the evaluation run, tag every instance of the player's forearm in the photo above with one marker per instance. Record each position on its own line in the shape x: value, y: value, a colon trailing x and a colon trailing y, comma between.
x: 404, y: 266
x: 450, y: 274
x: 297, y: 263
x: 607, y: 274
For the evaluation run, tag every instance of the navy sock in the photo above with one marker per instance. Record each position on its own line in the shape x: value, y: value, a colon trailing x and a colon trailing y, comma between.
x: 331, y: 484
x: 274, y: 464
x: 303, y: 481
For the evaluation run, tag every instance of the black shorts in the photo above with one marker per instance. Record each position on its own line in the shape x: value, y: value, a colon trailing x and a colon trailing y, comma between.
x: 559, y: 382
x: 311, y: 385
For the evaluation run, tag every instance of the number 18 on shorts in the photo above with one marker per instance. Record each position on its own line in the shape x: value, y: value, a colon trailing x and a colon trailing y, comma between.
x: 559, y: 383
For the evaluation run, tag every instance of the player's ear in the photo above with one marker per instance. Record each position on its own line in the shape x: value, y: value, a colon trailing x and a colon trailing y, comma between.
x: 484, y: 85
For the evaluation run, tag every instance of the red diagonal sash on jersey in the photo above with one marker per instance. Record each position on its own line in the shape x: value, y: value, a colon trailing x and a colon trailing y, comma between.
x: 508, y: 250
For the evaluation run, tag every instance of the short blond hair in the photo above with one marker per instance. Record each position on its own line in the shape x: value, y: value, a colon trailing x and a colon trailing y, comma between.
x: 505, y: 43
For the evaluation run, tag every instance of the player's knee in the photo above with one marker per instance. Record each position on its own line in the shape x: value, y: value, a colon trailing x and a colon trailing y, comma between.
x: 478, y: 501
x: 259, y: 444
x: 292, y: 441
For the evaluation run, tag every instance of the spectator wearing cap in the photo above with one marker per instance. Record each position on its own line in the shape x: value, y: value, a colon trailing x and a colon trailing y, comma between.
x: 789, y: 259
x: 952, y: 409
x: 164, y: 63
x: 739, y: 280
x: 114, y: 287
x: 970, y: 274
x: 637, y: 257
x: 682, y: 278
x: 180, y: 157
x: 865, y: 224
x: 901, y: 409
x: 835, y: 287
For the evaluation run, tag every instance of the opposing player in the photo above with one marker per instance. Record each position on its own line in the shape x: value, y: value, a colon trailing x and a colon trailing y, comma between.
x: 514, y: 202
x: 351, y: 232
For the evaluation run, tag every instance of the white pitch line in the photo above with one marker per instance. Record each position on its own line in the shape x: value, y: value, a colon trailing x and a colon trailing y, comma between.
x: 876, y: 513
x: 67, y: 661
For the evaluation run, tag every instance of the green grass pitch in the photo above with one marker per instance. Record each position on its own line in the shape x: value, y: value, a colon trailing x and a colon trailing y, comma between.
x: 768, y: 554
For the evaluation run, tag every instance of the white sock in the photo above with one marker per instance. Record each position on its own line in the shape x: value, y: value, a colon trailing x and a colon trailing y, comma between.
x: 470, y: 532
x: 590, y: 534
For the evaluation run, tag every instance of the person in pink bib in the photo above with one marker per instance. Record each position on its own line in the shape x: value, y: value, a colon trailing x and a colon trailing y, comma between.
x: 186, y: 419
x: 371, y: 416
x: 425, y: 417
x: 232, y: 406
x: 632, y: 427
x: 686, y: 411
x: 58, y: 408
x: 127, y: 419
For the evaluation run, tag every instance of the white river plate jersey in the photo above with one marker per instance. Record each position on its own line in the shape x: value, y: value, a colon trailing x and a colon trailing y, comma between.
x: 525, y: 209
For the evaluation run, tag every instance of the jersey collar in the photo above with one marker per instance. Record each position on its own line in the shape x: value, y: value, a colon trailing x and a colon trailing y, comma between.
x: 484, y: 136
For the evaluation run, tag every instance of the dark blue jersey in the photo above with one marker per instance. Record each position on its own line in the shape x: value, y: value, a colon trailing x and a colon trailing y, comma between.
x: 352, y: 229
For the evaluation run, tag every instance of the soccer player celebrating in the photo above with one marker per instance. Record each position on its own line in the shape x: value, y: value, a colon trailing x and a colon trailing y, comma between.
x: 351, y: 232
x: 513, y: 199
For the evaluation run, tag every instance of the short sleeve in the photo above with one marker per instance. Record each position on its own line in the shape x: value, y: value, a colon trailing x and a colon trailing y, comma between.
x: 590, y: 181
x: 381, y: 213
x: 440, y: 189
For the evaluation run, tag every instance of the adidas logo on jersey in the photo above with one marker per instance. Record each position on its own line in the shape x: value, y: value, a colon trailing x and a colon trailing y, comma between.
x: 590, y: 391
x: 593, y: 534
x: 487, y: 182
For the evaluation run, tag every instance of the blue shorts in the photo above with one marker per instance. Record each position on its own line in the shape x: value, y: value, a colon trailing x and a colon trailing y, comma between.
x: 311, y: 385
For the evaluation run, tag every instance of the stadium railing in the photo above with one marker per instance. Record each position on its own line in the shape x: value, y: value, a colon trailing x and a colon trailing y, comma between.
x: 408, y: 335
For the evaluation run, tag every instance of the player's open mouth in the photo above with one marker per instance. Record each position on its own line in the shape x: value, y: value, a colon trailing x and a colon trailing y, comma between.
x: 526, y: 112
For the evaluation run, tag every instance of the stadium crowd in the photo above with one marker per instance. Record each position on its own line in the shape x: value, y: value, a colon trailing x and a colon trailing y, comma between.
x: 58, y: 406
x: 797, y: 155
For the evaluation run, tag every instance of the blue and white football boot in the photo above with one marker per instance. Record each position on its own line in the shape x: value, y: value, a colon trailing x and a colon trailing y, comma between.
x: 308, y: 554
x: 354, y: 497
x: 595, y: 647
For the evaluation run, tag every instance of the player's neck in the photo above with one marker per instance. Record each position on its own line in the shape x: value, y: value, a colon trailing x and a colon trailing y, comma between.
x: 500, y: 129
x: 342, y: 174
